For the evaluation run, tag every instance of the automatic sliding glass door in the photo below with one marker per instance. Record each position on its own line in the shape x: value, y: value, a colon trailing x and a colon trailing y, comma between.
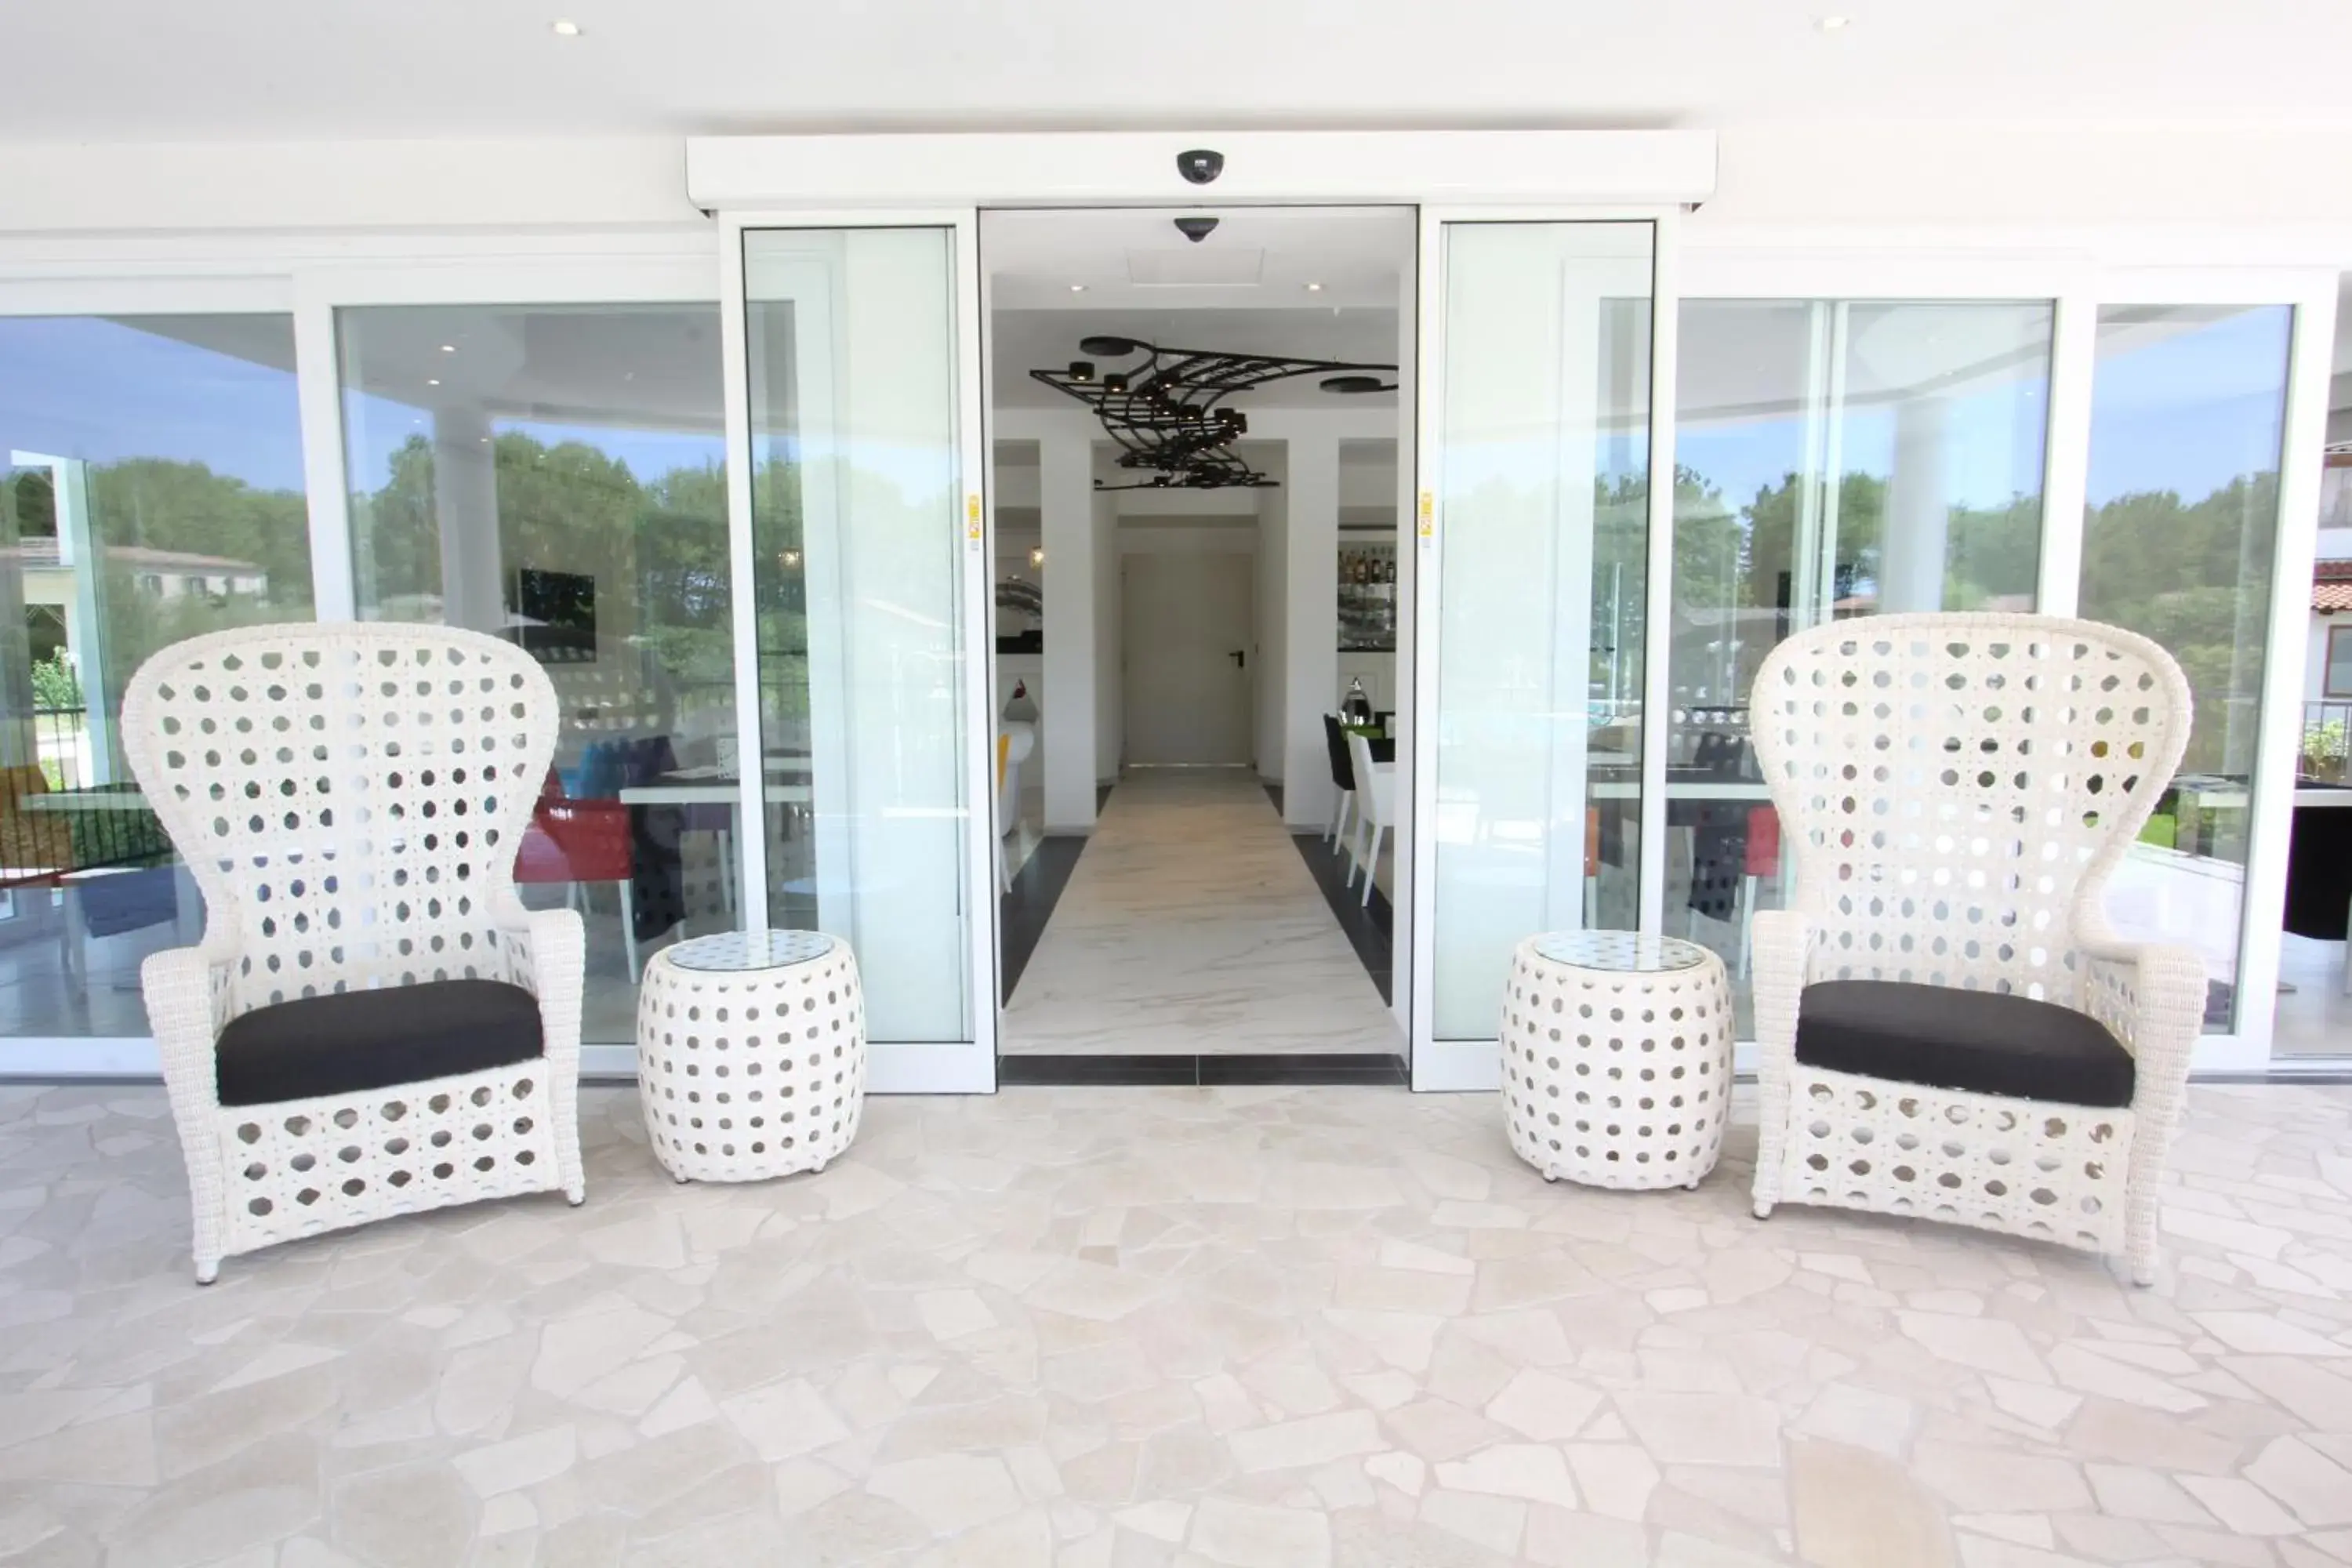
x: 1539, y: 457
x: 859, y: 668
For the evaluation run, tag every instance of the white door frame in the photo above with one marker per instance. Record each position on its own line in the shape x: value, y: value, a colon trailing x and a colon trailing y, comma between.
x: 309, y: 277
x: 894, y: 1067
x: 1476, y: 1064
x: 844, y: 181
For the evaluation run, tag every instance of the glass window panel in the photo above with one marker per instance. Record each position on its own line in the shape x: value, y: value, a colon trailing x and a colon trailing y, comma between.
x: 152, y: 491
x: 2339, y: 661
x: 555, y: 475
x: 2187, y: 411
x: 1932, y: 417
x: 857, y: 530
x: 1544, y: 466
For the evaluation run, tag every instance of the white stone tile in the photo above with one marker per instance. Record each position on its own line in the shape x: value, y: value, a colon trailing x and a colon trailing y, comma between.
x: 1246, y: 1535
x: 520, y: 1462
x: 1702, y: 1429
x: 1536, y: 1471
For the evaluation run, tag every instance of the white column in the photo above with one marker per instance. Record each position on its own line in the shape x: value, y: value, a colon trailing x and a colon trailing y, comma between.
x: 465, y: 502
x: 1272, y: 676
x: 1066, y: 505
x: 1311, y: 590
x: 1911, y: 553
x: 1110, y: 631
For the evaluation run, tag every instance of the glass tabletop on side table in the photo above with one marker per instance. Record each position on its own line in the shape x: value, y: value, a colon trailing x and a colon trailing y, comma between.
x: 738, y: 951
x: 1620, y: 951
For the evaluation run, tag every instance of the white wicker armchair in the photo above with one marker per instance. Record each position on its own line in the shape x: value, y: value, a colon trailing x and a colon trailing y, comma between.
x: 373, y: 1024
x: 1957, y: 789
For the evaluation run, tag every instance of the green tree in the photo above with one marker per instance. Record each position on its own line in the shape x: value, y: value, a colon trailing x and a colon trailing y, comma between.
x: 2195, y: 577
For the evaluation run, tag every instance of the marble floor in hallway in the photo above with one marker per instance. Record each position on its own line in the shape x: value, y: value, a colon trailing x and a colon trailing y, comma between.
x: 1249, y: 1328
x: 1191, y: 927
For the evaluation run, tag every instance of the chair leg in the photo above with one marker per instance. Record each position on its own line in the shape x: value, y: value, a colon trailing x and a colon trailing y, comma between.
x: 1372, y: 861
x: 1339, y: 823
x: 629, y: 927
x: 1747, y: 918
x: 727, y: 873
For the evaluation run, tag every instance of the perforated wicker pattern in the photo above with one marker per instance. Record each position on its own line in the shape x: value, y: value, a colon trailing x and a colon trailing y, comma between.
x: 2056, y: 1175
x: 349, y: 799
x: 1617, y: 1077
x: 295, y: 1169
x: 1954, y: 783
x: 1957, y: 789
x: 752, y: 1073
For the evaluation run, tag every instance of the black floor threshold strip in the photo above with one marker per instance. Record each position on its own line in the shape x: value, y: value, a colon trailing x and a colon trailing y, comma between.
x: 1365, y: 925
x: 1029, y: 903
x: 1201, y: 1071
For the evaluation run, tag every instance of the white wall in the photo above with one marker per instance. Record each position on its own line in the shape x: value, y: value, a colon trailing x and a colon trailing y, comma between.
x: 312, y: 184
x: 1110, y: 635
x: 2066, y: 174
x: 2063, y: 174
x: 1066, y: 523
x: 1312, y: 622
x: 1273, y: 635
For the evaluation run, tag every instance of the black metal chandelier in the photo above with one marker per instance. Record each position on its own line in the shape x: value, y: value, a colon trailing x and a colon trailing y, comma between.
x: 1167, y: 411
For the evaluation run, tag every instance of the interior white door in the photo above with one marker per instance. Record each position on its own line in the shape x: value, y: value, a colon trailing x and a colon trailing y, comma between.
x: 1187, y: 632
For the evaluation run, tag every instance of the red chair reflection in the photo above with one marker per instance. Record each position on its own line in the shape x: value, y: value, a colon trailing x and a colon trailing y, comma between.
x: 577, y: 842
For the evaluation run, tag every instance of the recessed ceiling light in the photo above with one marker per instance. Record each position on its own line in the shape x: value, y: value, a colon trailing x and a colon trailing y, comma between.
x: 566, y: 29
x: 448, y: 348
x: 1314, y: 288
x: 1834, y: 23
x: 1078, y: 288
x: 432, y: 381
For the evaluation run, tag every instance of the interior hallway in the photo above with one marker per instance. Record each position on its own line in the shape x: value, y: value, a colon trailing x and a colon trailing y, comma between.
x: 1190, y: 926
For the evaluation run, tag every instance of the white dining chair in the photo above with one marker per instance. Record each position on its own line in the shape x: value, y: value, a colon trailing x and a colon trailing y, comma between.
x: 1375, y: 807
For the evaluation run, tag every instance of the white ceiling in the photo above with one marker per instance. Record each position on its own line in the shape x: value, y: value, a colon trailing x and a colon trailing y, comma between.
x: 129, y: 69
x: 1258, y: 258
x: 1138, y: 276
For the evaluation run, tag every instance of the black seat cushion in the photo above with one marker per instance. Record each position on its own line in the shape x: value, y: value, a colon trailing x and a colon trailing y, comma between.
x: 351, y: 1041
x: 1981, y: 1041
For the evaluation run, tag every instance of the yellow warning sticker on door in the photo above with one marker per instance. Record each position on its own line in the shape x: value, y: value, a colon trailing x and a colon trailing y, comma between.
x: 1428, y: 515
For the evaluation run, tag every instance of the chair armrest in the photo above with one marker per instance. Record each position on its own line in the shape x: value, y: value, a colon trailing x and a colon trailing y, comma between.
x: 188, y: 997
x: 548, y: 956
x: 1783, y: 950
x: 2151, y: 997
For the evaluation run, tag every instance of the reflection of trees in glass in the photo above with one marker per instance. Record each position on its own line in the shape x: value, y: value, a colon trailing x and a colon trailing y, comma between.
x: 658, y: 546
x: 1736, y: 569
x: 141, y: 505
x: 2194, y: 576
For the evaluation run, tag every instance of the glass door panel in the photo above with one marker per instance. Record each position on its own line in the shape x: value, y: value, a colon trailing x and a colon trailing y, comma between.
x: 151, y: 490
x: 1542, y: 478
x: 856, y: 535
x: 1834, y: 458
x: 2188, y: 416
x: 555, y: 475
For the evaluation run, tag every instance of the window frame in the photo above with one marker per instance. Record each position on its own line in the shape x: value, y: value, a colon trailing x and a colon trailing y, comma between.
x: 2328, y: 690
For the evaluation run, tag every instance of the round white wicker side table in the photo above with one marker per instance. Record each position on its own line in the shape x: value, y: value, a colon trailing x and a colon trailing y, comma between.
x: 751, y: 1054
x: 1617, y: 1058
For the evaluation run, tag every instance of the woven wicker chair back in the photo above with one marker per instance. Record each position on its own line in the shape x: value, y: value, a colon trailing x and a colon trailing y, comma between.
x: 349, y: 797
x: 1957, y: 788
